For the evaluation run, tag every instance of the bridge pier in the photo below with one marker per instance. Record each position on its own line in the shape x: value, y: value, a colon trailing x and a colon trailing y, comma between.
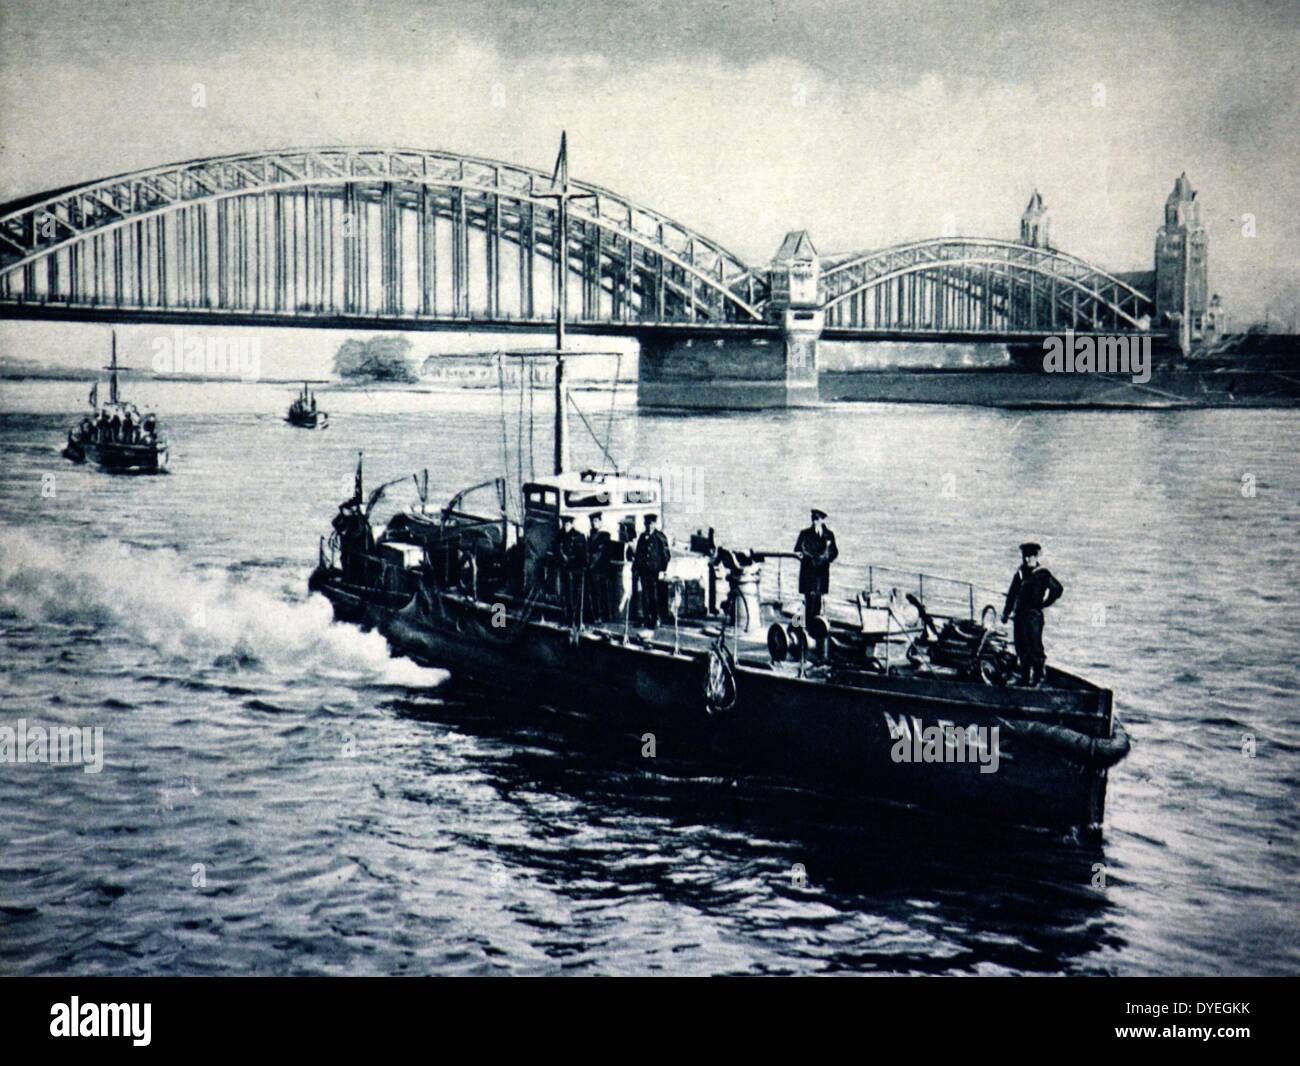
x: 725, y: 371
x: 764, y: 366
x: 731, y: 370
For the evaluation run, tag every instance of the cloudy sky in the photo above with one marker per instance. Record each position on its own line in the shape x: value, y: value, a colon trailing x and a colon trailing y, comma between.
x: 865, y: 122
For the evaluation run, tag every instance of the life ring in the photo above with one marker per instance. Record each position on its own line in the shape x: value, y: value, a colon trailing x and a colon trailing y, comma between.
x: 467, y: 571
x: 719, y: 681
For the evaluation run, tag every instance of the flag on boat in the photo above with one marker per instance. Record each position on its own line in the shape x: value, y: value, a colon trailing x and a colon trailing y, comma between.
x: 94, y: 394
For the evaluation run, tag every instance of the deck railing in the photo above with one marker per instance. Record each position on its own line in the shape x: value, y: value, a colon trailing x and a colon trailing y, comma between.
x: 944, y: 596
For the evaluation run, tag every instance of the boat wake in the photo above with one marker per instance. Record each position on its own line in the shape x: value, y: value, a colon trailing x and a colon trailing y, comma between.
x: 213, y: 619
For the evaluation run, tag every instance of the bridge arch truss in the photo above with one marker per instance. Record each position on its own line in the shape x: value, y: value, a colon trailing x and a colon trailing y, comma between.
x: 401, y: 234
x: 965, y: 284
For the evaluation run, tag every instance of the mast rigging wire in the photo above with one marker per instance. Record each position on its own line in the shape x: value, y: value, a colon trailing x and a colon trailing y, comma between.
x: 519, y: 452
x: 505, y: 426
x: 609, y: 425
x: 532, y: 383
x: 608, y: 458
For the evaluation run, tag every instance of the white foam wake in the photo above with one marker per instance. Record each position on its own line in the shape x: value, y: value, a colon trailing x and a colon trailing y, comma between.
x: 205, y: 617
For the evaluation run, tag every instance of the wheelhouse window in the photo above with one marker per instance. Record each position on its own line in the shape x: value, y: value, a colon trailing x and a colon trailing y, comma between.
x: 582, y: 498
x: 538, y: 498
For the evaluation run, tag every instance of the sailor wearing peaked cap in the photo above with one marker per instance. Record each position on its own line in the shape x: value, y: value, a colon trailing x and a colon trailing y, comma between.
x: 650, y: 558
x: 571, y: 553
x: 1033, y: 589
x: 603, y: 561
x: 816, y: 549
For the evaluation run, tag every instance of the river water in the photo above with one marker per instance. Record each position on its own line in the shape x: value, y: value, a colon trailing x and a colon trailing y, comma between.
x: 280, y: 796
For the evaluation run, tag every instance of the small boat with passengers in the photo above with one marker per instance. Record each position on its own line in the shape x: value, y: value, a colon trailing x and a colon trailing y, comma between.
x: 116, y: 436
x: 303, y: 412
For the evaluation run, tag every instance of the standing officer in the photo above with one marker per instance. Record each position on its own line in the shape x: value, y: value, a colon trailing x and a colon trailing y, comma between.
x: 571, y: 553
x: 649, y: 560
x: 1032, y: 591
x: 600, y: 559
x: 816, y: 549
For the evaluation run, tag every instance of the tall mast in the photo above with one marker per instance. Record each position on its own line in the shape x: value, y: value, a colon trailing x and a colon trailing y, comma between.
x: 562, y: 194
x: 112, y: 375
x: 562, y: 310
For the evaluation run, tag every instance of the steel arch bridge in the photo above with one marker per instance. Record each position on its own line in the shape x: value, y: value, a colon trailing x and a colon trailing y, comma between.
x: 410, y: 238
x: 403, y: 235
x: 976, y: 285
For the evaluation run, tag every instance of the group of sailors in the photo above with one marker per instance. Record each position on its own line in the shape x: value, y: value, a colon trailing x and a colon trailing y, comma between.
x: 591, y: 571
x: 591, y: 568
x: 125, y: 426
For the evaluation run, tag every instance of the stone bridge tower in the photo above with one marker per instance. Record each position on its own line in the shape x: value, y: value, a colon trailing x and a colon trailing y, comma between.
x: 796, y: 306
x: 1035, y: 223
x: 774, y: 365
x: 1182, y: 280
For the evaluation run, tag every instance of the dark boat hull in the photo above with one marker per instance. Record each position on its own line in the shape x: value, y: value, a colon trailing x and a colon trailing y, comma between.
x: 120, y: 458
x: 315, y: 420
x: 828, y: 735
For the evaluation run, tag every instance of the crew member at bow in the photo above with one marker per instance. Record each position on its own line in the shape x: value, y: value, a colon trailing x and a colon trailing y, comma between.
x: 1032, y: 591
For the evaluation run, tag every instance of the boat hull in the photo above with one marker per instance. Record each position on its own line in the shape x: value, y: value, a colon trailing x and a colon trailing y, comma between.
x: 853, y: 739
x: 120, y: 458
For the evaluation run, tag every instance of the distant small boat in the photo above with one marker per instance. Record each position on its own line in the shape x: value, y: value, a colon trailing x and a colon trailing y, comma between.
x: 303, y: 412
x: 116, y: 436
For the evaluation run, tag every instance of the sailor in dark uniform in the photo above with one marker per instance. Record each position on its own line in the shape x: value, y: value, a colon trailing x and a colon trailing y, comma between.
x: 571, y: 554
x: 1033, y: 590
x: 816, y: 549
x: 600, y: 576
x: 650, y: 560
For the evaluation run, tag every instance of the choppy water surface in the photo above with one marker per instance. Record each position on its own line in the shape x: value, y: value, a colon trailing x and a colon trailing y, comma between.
x: 350, y: 813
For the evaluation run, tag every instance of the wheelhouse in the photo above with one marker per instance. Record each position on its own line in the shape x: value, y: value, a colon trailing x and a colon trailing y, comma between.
x: 621, y: 500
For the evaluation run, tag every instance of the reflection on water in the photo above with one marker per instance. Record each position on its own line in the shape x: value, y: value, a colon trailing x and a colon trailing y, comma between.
x: 280, y: 796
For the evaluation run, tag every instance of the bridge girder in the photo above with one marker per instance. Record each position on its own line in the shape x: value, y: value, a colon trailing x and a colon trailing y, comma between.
x: 608, y: 234
x: 1065, y: 278
x: 149, y: 233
